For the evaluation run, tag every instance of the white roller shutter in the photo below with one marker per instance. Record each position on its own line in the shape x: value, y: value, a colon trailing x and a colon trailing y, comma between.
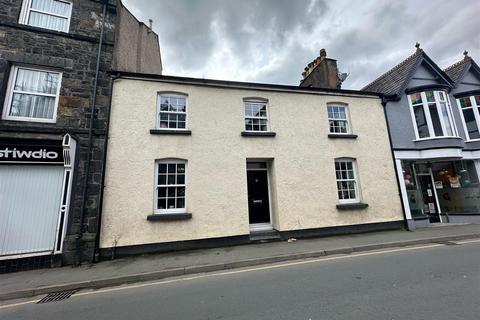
x: 29, y: 208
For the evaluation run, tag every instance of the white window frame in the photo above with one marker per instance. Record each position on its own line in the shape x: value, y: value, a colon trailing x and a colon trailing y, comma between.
x: 176, y: 95
x: 428, y: 118
x: 347, y: 117
x: 27, y: 8
x: 10, y: 91
x: 476, y: 112
x: 357, y: 198
x: 156, y: 210
x: 245, y: 117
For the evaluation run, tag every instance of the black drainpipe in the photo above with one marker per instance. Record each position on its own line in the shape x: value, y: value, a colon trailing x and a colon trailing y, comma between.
x: 81, y: 230
x: 384, y: 104
x: 96, y: 252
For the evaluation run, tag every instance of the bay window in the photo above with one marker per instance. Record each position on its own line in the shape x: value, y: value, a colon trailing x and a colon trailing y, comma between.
x: 431, y: 114
x: 470, y: 110
x: 32, y: 95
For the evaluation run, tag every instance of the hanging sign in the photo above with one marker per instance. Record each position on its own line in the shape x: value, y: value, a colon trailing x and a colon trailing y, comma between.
x: 31, y: 151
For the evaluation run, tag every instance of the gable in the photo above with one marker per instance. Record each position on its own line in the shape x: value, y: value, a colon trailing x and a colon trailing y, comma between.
x: 469, y: 82
x: 424, y: 76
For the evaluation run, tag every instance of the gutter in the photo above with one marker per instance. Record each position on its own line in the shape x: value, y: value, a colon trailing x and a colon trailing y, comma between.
x: 81, y: 231
x: 241, y: 85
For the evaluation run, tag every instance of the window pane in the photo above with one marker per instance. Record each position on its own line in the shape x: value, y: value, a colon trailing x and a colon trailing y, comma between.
x: 181, y: 192
x: 180, y: 203
x: 437, y: 126
x: 172, y: 168
x: 465, y: 102
x: 421, y: 121
x: 162, y: 179
x: 430, y: 96
x: 31, y: 106
x: 181, y: 179
x: 162, y: 168
x: 171, y: 203
x: 162, y: 203
x: 171, y: 192
x: 171, y: 179
x: 477, y: 100
x: 162, y: 192
x: 446, y: 118
x: 416, y: 98
x: 47, y: 21
x: 34, y: 81
x: 52, y: 6
x: 472, y: 126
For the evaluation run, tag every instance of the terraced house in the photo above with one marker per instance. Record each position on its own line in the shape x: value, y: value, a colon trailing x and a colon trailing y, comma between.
x: 198, y: 162
x: 54, y: 100
x: 434, y: 120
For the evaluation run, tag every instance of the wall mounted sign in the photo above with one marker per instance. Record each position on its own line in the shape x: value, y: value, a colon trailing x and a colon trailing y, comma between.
x: 31, y: 151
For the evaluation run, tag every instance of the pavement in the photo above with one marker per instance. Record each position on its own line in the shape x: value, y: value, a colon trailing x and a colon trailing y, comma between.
x: 159, y: 266
x: 432, y: 281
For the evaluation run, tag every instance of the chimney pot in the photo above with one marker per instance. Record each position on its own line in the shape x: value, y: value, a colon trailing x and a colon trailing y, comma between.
x: 323, y: 53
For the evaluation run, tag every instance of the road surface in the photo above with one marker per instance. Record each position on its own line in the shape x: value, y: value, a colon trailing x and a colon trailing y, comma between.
x: 429, y: 282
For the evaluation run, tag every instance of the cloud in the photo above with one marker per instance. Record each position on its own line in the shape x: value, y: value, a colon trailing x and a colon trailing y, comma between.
x: 273, y: 40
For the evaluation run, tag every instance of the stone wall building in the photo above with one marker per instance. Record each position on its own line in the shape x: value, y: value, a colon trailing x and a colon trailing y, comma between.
x: 54, y: 98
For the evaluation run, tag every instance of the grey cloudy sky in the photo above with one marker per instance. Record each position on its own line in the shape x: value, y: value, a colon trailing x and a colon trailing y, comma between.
x: 273, y: 40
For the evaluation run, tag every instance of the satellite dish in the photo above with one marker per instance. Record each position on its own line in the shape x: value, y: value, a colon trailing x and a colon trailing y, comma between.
x: 342, y: 76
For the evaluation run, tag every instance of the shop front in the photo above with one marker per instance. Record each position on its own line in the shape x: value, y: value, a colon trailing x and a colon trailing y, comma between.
x: 442, y: 191
x: 35, y: 184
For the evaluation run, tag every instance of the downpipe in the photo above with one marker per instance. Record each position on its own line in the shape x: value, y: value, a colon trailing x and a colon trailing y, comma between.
x: 82, y: 229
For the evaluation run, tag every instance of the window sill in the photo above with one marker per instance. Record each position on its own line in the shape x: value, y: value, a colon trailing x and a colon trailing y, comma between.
x: 171, y: 131
x: 169, y: 216
x: 352, y: 206
x: 342, y: 136
x: 258, y: 134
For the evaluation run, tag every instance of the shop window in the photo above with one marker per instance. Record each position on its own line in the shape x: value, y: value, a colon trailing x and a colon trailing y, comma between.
x: 47, y: 14
x: 457, y: 186
x: 32, y: 95
x: 170, y: 177
x: 347, y: 184
x: 431, y: 114
x: 338, y: 119
x: 470, y: 110
x: 256, y: 115
x: 172, y: 111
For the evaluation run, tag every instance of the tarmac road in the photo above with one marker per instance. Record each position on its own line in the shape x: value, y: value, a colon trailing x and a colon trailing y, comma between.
x: 429, y: 282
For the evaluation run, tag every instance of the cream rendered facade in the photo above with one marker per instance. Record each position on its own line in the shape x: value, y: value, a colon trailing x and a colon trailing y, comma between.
x: 301, y: 156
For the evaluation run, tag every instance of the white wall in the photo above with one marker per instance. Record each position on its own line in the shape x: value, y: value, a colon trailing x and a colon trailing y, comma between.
x: 303, y: 177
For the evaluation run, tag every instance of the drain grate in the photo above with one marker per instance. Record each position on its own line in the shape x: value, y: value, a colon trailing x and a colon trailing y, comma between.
x: 57, y: 296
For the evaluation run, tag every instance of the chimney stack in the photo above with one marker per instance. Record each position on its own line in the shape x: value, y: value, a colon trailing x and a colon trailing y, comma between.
x: 321, y: 73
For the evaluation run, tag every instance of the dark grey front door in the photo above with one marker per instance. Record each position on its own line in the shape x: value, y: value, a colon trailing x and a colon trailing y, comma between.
x: 429, y: 200
x: 258, y: 201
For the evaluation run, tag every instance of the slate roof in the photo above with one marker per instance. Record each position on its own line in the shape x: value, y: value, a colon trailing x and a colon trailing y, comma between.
x: 392, y: 81
x: 457, y: 70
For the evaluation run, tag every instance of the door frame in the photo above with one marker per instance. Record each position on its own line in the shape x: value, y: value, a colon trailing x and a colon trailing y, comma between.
x: 261, y: 226
x: 435, y: 195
